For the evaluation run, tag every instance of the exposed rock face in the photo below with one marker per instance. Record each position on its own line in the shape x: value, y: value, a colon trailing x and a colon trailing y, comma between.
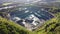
x: 31, y: 22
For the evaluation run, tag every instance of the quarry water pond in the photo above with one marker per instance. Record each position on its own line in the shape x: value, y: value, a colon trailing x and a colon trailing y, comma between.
x: 40, y: 13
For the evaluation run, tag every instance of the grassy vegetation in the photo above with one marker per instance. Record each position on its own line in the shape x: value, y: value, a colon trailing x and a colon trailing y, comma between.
x: 51, y: 26
x: 9, y: 27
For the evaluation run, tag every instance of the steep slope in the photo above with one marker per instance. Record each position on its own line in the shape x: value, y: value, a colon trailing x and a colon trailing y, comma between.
x: 51, y: 26
x: 9, y: 27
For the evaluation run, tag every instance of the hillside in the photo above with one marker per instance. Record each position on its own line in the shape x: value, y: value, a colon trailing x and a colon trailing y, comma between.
x: 9, y: 27
x: 51, y: 26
